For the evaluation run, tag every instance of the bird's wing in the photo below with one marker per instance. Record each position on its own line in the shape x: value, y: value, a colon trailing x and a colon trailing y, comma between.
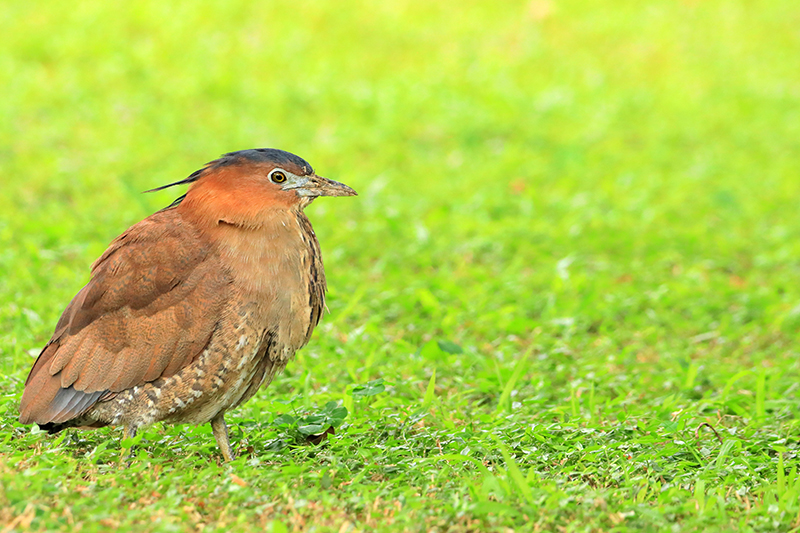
x: 149, y: 309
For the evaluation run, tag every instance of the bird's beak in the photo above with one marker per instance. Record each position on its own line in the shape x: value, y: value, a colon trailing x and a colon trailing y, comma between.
x: 319, y: 186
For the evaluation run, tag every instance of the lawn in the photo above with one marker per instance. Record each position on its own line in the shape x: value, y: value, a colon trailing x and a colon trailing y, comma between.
x: 566, y: 298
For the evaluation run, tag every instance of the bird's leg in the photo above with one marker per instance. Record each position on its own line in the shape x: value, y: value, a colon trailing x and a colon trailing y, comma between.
x: 220, y: 430
x: 128, y: 432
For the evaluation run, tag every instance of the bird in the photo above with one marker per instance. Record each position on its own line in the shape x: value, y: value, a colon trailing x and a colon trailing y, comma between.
x: 190, y: 311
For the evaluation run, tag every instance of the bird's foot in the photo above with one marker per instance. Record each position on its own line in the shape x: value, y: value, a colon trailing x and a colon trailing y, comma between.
x: 220, y: 430
x: 126, y: 454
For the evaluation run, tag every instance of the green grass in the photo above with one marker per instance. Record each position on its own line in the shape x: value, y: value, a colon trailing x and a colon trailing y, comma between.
x: 574, y: 261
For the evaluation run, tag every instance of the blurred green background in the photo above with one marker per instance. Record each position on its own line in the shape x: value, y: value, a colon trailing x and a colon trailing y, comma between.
x: 611, y: 185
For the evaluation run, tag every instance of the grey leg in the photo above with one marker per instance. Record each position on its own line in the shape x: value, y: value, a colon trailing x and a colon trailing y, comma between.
x: 128, y: 432
x: 220, y: 430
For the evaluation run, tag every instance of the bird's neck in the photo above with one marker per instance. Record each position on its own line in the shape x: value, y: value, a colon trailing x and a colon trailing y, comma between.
x: 267, y: 257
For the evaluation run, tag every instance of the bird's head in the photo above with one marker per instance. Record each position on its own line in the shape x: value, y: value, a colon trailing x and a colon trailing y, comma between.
x: 243, y: 187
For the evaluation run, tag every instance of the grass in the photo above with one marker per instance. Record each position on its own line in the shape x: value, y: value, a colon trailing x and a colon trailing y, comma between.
x: 574, y: 262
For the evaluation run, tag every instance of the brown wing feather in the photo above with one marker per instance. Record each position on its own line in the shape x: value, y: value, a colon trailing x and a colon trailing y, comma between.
x: 149, y: 309
x: 317, y: 284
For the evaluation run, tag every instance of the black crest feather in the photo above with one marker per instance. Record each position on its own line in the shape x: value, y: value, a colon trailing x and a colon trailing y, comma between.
x: 254, y: 155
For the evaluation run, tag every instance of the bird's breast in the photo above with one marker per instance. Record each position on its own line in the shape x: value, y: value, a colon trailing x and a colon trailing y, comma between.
x: 279, y: 270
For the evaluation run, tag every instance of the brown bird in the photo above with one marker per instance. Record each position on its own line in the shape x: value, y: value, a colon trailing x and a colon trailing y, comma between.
x: 191, y: 310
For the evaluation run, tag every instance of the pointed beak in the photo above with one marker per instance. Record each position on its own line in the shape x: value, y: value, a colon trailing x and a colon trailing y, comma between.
x: 319, y: 186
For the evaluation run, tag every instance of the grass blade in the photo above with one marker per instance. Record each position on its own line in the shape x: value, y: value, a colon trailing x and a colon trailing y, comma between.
x: 519, y: 368
x: 430, y: 391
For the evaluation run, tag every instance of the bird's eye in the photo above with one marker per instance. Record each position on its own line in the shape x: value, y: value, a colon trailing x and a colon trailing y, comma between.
x: 278, y: 177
